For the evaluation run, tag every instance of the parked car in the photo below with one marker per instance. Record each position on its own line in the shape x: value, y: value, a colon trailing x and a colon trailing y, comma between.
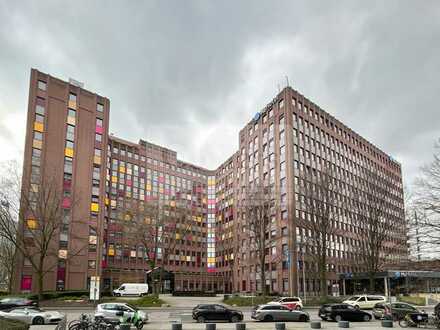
x: 132, y: 289
x: 289, y: 302
x: 339, y: 312
x: 32, y: 315
x: 113, y: 312
x: 273, y: 312
x: 10, y: 303
x: 365, y: 301
x: 395, y: 311
x: 215, y: 312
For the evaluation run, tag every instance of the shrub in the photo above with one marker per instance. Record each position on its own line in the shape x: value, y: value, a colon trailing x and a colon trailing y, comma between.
x: 413, y: 300
x: 12, y: 324
x: 193, y: 294
x: 246, y: 301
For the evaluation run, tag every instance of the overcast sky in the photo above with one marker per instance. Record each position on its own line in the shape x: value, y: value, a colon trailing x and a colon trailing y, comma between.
x: 189, y: 75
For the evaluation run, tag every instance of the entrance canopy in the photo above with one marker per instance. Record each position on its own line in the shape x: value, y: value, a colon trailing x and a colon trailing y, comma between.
x: 396, y: 274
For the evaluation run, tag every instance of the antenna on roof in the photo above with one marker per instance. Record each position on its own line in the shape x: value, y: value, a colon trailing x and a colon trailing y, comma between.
x: 279, y: 88
x: 287, y: 81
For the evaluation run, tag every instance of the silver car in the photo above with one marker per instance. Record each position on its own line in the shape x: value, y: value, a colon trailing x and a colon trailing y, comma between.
x: 33, y: 315
x: 114, y: 311
x: 270, y: 313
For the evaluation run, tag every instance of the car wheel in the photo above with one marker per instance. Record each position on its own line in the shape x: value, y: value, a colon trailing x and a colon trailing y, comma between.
x: 367, y: 318
x: 298, y: 307
x: 268, y: 318
x: 338, y: 318
x: 38, y: 320
x: 201, y: 319
x: 235, y: 319
x: 139, y: 325
x: 303, y: 318
x: 356, y: 306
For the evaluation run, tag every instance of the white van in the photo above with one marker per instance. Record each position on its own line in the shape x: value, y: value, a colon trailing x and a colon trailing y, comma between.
x: 365, y: 301
x: 132, y: 289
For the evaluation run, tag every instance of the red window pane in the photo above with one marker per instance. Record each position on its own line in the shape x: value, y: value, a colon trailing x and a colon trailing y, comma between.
x: 26, y: 283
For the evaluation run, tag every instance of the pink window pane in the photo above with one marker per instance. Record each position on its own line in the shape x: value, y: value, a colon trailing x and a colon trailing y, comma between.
x: 66, y: 202
x: 26, y: 283
x: 99, y: 129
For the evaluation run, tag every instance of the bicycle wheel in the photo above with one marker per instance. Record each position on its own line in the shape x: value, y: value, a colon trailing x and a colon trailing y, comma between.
x: 403, y: 323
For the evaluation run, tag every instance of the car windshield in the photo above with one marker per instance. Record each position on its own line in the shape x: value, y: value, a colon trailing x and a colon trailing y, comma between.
x: 131, y: 306
x: 354, y: 298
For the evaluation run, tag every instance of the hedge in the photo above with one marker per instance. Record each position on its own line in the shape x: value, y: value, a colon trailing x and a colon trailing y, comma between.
x: 194, y: 294
x: 12, y: 324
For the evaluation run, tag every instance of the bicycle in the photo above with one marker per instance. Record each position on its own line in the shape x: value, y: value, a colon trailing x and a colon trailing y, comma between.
x: 420, y: 320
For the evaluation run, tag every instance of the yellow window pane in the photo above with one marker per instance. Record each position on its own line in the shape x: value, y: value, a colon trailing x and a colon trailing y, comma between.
x: 188, y: 258
x: 72, y: 105
x: 107, y: 201
x: 114, y: 179
x: 94, y: 207
x: 97, y: 160
x: 212, y: 260
x: 92, y: 239
x: 177, y: 236
x: 68, y: 152
x: 37, y: 144
x: 111, y: 252
x: 38, y: 126
x: 32, y: 223
x: 173, y: 203
x: 71, y: 120
x: 121, y: 169
x: 204, y: 200
x: 148, y: 187
x: 161, y: 190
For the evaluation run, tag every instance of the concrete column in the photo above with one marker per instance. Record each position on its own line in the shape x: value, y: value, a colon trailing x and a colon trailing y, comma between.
x: 386, y: 286
x: 343, y: 288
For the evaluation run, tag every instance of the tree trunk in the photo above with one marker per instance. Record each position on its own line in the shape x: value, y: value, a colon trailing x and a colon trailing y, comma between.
x: 263, y: 278
x: 372, y: 282
x: 323, y: 280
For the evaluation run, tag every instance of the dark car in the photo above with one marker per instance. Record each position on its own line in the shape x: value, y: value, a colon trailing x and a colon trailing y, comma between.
x: 10, y: 303
x: 339, y: 312
x: 395, y: 311
x: 215, y: 312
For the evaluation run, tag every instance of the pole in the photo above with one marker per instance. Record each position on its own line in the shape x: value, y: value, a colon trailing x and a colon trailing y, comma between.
x: 304, y: 277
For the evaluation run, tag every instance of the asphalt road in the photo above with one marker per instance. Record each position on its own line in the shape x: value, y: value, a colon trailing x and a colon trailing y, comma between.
x: 161, y: 319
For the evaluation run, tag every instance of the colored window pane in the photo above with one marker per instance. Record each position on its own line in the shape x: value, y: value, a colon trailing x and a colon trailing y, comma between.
x: 97, y: 160
x: 71, y: 120
x: 111, y: 252
x: 62, y: 254
x: 72, y: 104
x: 94, y: 207
x: 68, y: 152
x: 26, y: 282
x: 32, y: 223
x: 39, y: 127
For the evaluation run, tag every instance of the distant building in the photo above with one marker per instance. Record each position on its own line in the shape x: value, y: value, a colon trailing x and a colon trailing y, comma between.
x: 67, y: 134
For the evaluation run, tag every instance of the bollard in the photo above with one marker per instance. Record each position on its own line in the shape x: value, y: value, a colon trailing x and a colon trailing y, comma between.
x: 280, y: 326
x: 344, y: 324
x: 210, y: 326
x: 315, y: 325
x: 387, y: 323
x: 240, y: 326
x: 176, y: 326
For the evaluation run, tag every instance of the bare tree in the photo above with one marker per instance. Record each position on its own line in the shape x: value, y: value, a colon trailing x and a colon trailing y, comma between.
x: 257, y: 207
x: 318, y: 200
x: 31, y: 219
x: 7, y: 263
x: 374, y: 223
x: 425, y: 214
x: 158, y: 227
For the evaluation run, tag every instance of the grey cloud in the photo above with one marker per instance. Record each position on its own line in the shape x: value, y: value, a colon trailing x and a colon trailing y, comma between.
x: 190, y: 74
